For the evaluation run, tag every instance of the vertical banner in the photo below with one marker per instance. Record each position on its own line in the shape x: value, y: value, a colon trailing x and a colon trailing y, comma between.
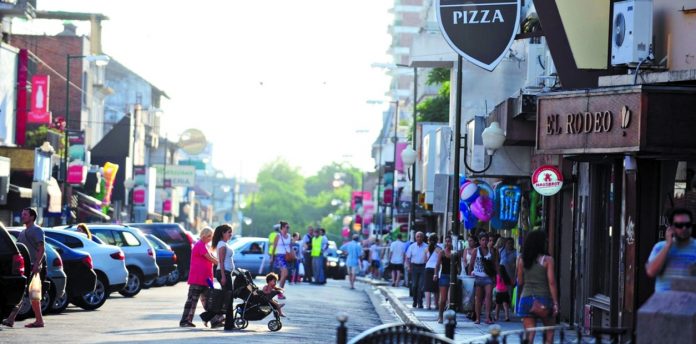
x: 110, y: 171
x: 39, y: 100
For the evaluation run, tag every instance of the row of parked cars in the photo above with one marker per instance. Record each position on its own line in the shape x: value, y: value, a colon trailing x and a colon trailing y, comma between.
x: 118, y: 258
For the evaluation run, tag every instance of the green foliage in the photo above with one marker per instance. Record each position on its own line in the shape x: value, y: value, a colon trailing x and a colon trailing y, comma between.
x: 284, y: 194
x: 36, y: 137
x: 438, y: 76
x: 436, y: 109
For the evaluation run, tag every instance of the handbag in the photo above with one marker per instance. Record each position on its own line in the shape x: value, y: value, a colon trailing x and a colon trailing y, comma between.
x: 35, y: 288
x: 290, y: 256
x: 539, y: 309
x: 217, y: 300
x: 301, y: 269
x: 488, y: 266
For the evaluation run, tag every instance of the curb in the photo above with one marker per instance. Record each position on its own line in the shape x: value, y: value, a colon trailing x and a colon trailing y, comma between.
x: 405, y: 315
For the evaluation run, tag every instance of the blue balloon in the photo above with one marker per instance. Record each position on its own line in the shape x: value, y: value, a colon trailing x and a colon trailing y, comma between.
x: 467, y: 218
x: 463, y: 207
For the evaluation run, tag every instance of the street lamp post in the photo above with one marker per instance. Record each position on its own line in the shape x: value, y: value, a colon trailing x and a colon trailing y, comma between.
x: 395, y: 140
x: 100, y: 61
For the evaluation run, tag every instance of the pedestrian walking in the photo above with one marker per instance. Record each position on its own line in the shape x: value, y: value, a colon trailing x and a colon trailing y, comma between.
x: 443, y: 269
x: 307, y: 253
x: 354, y: 251
x: 397, y: 250
x: 415, y: 261
x: 271, y: 250
x: 375, y: 258
x: 200, y: 272
x: 536, y: 276
x: 284, y: 254
x: 483, y: 265
x: 431, y: 278
x: 508, y: 260
x: 472, y: 245
x: 502, y: 294
x: 226, y: 265
x: 676, y: 255
x: 294, y: 272
x: 34, y: 239
x: 468, y: 282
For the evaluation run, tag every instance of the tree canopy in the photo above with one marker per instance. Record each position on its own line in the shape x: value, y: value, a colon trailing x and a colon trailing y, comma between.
x: 321, y: 200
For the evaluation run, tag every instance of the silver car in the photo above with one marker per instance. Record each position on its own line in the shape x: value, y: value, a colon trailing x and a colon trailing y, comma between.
x: 140, y: 255
x: 250, y: 254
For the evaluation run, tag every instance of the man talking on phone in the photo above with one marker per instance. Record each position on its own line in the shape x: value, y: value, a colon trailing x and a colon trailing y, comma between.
x: 676, y: 255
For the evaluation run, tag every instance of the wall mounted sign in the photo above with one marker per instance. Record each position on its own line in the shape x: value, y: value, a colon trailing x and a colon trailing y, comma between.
x: 481, y: 31
x: 547, y: 180
x: 39, y: 100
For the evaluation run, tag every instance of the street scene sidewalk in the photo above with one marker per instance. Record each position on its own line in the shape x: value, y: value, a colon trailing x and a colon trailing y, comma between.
x: 465, y: 331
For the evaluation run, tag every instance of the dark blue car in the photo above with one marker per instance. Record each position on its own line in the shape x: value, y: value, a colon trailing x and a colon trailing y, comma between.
x: 167, y: 262
x: 78, y: 267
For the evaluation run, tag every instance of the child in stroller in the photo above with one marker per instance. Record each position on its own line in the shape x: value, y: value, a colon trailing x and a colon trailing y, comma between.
x: 271, y: 290
x: 256, y: 305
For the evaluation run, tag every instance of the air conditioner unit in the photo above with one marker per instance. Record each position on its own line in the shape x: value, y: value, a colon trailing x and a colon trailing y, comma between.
x: 632, y: 31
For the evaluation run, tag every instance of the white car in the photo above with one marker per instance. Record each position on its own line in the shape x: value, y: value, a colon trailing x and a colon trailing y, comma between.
x: 109, y: 264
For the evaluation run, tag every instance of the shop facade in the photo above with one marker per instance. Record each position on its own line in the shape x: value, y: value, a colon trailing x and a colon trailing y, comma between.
x: 628, y: 157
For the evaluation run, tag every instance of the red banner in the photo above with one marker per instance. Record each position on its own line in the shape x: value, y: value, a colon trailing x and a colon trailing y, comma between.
x: 39, y: 100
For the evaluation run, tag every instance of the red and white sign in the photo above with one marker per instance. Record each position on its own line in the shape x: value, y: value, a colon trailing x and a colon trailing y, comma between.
x: 547, y: 180
x: 139, y: 195
x: 76, y: 174
x: 39, y: 100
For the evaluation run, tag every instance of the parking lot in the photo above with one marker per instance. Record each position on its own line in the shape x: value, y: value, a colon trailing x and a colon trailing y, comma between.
x: 153, y: 316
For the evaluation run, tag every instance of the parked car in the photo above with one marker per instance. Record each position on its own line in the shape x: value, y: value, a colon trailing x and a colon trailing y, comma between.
x: 174, y: 235
x: 166, y: 260
x: 249, y: 253
x: 109, y: 264
x: 13, y: 282
x: 55, y: 280
x: 335, y: 264
x: 140, y: 255
x: 81, y: 276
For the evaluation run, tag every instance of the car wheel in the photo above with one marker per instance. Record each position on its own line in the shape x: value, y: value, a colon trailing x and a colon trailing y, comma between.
x: 93, y: 299
x: 133, y: 285
x: 173, y: 278
x: 162, y: 281
x: 46, y: 300
x: 59, y: 304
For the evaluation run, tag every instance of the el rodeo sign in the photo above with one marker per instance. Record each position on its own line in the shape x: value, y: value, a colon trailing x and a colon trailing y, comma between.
x: 481, y: 31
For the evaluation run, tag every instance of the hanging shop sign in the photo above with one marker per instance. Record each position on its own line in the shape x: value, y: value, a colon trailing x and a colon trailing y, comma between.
x: 39, y: 100
x: 481, y: 31
x: 547, y: 180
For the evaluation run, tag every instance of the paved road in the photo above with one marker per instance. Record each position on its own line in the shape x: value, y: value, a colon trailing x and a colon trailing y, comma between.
x: 153, y: 317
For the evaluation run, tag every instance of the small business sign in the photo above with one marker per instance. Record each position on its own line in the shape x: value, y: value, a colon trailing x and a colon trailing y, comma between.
x: 481, y: 31
x: 179, y: 175
x: 39, y: 100
x: 547, y: 180
x: 139, y: 195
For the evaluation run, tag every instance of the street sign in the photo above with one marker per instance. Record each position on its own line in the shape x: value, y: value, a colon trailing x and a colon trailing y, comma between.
x: 547, y: 180
x: 481, y: 31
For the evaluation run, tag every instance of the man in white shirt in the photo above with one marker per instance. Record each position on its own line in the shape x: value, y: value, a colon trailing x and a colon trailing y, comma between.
x: 415, y: 261
x: 396, y: 259
x: 375, y: 258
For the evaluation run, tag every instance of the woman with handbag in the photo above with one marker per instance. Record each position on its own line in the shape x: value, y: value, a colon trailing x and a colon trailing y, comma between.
x: 483, y: 266
x: 284, y: 254
x: 535, y: 274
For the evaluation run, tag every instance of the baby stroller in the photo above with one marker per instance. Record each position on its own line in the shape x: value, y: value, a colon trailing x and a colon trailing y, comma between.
x: 256, y: 305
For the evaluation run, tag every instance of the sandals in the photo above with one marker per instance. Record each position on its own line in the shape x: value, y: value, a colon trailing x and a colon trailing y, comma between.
x: 188, y: 324
x: 8, y: 323
x: 34, y: 325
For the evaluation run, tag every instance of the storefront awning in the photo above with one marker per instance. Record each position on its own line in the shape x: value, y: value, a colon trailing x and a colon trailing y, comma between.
x: 89, y: 211
x: 22, y: 191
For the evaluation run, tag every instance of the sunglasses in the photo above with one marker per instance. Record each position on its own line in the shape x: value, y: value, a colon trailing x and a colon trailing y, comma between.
x: 681, y: 224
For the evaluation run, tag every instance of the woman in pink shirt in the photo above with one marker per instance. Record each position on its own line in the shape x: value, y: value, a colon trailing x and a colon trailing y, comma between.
x: 200, y: 272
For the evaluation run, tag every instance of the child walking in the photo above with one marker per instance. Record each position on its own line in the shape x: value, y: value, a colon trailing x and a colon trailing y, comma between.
x: 271, y: 290
x: 502, y: 294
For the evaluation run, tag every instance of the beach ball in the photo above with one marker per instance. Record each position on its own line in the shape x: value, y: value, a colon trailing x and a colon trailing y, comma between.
x: 468, y: 192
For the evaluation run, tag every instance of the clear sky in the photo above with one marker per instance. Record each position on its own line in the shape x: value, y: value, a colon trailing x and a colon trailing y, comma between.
x: 262, y: 79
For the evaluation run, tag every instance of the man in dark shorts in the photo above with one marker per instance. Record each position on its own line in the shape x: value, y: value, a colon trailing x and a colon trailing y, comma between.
x: 397, y: 250
x: 33, y: 238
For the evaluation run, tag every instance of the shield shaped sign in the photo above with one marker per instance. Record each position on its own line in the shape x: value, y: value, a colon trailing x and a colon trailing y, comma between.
x: 481, y: 31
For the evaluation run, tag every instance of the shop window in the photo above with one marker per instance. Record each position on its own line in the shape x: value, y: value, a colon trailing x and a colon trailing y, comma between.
x: 684, y: 195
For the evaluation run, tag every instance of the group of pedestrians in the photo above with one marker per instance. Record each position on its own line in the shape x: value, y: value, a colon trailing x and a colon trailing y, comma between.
x: 296, y: 258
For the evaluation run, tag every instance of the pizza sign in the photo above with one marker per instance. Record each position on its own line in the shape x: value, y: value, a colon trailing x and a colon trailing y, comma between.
x: 547, y: 180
